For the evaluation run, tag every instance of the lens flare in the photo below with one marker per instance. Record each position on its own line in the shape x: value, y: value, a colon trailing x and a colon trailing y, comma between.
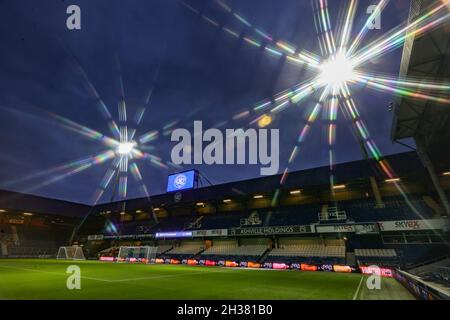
x: 339, y: 65
x: 125, y: 148
x: 337, y: 70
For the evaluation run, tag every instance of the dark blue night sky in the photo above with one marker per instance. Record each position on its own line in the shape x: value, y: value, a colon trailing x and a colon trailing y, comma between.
x: 204, y: 75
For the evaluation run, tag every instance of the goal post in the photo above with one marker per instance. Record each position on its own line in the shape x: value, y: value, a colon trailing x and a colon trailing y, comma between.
x: 70, y: 253
x: 136, y: 254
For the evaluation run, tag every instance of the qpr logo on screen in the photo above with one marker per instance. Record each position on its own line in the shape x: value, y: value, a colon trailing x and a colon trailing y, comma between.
x: 180, y: 181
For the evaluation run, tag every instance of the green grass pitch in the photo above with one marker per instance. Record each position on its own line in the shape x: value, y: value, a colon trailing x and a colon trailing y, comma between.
x: 46, y: 279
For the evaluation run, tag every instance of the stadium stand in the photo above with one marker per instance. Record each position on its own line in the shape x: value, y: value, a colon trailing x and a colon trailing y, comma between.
x: 297, y: 215
x: 375, y: 253
x: 413, y: 254
x: 228, y: 220
x: 379, y: 257
x: 244, y: 252
x: 251, y: 249
x: 185, y: 249
x: 221, y: 248
x: 164, y: 248
x: 394, y: 208
x: 108, y: 227
x: 34, y: 237
x: 364, y: 210
x: 435, y: 271
x: 311, y: 250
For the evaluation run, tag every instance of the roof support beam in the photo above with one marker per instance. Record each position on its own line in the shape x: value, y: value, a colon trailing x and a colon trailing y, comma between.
x: 427, y: 162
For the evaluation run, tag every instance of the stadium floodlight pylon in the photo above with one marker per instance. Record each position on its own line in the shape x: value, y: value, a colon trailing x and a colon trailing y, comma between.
x: 70, y: 253
x: 136, y: 254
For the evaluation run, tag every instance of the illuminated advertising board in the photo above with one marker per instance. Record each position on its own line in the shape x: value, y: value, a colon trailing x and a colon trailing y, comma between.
x: 192, y: 262
x: 107, y: 259
x: 280, y: 266
x: 174, y: 234
x: 326, y: 267
x: 210, y: 233
x: 181, y: 181
x: 384, y: 272
x: 256, y: 231
x: 338, y: 228
x: 253, y: 265
x: 338, y: 268
x: 232, y: 264
x: 210, y: 263
x: 412, y: 225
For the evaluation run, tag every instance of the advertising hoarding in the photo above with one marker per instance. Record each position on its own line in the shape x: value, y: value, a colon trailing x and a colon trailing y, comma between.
x: 181, y: 181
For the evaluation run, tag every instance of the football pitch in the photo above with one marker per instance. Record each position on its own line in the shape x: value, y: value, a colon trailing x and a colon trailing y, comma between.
x: 46, y: 279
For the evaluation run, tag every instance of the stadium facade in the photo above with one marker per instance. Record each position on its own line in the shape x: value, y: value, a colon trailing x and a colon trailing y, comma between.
x: 253, y: 223
x: 257, y: 224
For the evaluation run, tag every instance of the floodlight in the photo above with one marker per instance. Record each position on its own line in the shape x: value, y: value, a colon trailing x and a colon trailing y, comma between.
x: 336, y: 70
x: 125, y: 147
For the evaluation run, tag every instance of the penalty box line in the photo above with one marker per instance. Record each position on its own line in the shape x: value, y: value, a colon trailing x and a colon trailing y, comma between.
x: 117, y: 280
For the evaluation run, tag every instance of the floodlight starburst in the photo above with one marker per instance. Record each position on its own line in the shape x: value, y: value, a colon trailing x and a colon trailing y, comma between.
x: 337, y: 70
x: 126, y: 148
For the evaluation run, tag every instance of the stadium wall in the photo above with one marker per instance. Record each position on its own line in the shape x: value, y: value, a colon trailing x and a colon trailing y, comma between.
x: 419, y: 288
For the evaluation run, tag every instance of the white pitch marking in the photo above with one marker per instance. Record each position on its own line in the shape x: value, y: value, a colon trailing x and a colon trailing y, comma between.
x: 359, y: 287
x: 118, y: 280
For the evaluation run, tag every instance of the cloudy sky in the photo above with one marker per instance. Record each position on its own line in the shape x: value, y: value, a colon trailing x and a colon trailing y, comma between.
x: 205, y: 74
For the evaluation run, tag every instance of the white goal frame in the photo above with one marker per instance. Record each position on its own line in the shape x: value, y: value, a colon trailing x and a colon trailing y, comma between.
x: 70, y: 253
x: 150, y: 253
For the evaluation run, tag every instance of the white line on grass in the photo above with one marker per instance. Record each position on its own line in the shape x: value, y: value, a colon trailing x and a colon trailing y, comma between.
x: 355, y: 296
x: 168, y: 276
x: 119, y: 280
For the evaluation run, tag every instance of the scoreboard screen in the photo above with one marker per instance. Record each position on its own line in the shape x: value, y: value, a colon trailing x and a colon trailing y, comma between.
x: 181, y: 181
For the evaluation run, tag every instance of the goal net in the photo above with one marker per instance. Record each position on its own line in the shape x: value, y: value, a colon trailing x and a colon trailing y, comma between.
x: 70, y: 253
x: 136, y: 254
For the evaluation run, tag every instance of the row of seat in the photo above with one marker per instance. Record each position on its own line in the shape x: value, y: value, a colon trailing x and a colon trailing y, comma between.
x: 283, y: 216
x: 244, y: 250
x: 221, y: 249
x: 375, y: 253
x: 187, y: 248
x: 14, y: 251
x: 309, y: 251
x: 163, y: 248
